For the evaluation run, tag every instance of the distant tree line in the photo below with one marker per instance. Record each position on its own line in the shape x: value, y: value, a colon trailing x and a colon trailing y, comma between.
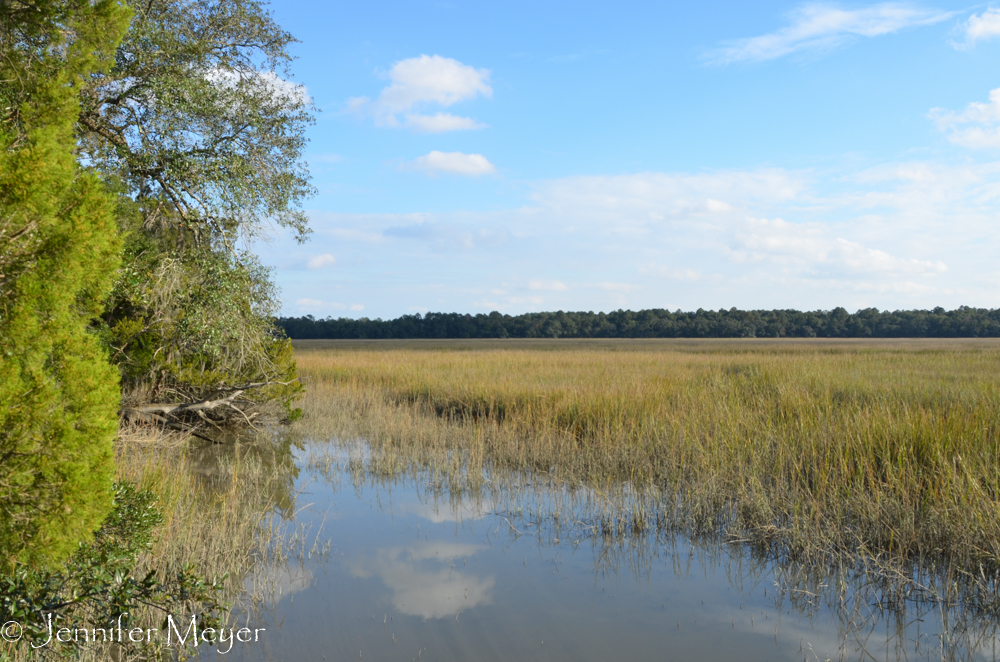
x: 963, y: 322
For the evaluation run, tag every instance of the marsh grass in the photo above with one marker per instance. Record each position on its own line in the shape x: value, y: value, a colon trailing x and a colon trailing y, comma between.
x: 885, y: 454
x: 877, y: 613
x: 217, y: 502
x: 226, y: 513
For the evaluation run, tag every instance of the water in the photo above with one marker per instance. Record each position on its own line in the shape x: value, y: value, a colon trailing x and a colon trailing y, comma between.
x: 395, y: 569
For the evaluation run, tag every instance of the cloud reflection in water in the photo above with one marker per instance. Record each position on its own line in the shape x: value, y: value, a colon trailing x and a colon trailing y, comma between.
x: 421, y: 586
x: 454, y: 511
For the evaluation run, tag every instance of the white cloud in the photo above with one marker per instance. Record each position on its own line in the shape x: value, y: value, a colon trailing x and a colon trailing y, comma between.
x: 456, y: 163
x: 421, y: 82
x: 898, y: 235
x: 547, y: 285
x: 320, y: 261
x: 432, y: 78
x: 617, y: 287
x: 535, y: 301
x: 696, y: 219
x: 441, y: 123
x: 982, y: 26
x: 976, y: 137
x: 717, y: 206
x: 666, y: 271
x: 357, y: 306
x: 977, y: 127
x: 664, y: 195
x: 816, y: 27
x: 813, y: 247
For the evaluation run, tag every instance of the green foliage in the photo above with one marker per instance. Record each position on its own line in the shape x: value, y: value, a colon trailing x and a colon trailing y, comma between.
x: 58, y: 395
x: 197, y: 119
x: 963, y: 322
x: 198, y: 123
x: 98, y: 583
x: 186, y: 322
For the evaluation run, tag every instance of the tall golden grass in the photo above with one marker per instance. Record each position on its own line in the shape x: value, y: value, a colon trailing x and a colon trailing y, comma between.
x: 820, y: 448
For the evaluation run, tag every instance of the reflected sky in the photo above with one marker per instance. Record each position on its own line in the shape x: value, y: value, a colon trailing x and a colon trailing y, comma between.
x: 272, y: 582
x: 454, y: 510
x: 424, y: 580
x: 414, y: 574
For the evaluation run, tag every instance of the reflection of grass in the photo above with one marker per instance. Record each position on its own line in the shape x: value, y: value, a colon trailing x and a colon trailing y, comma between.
x: 874, y: 611
x: 817, y: 448
x: 216, y: 505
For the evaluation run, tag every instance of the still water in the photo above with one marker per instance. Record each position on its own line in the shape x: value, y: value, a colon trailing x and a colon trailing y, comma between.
x: 400, y: 569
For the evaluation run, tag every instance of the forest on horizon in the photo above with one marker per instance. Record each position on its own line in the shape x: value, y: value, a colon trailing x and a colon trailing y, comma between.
x: 963, y: 322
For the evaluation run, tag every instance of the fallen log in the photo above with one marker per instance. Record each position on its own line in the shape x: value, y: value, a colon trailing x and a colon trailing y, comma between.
x: 177, y: 416
x: 172, y: 415
x: 183, y: 407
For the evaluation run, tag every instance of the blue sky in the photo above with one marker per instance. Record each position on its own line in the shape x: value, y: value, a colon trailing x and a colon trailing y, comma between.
x: 594, y: 156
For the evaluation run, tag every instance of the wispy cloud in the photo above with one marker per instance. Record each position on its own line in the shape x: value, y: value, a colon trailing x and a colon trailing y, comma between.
x: 455, y: 163
x: 662, y: 195
x: 980, y: 27
x: 812, y: 247
x: 324, y: 158
x: 666, y: 271
x: 903, y: 234
x: 977, y: 127
x: 547, y: 285
x: 818, y: 27
x: 311, y: 305
x: 419, y: 84
x: 320, y: 261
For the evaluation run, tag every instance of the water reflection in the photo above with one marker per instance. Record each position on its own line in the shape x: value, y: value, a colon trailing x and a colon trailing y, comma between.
x: 517, y: 572
x: 459, y: 510
x: 265, y: 459
x: 272, y: 582
x: 420, y: 585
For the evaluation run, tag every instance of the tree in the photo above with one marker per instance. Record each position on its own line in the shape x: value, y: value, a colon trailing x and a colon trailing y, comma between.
x: 59, y: 246
x: 202, y: 130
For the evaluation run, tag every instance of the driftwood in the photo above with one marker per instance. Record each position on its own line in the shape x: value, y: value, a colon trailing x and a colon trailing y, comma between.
x: 191, y: 417
x: 183, y: 407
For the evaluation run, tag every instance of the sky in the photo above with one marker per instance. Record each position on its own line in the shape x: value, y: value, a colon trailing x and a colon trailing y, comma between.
x: 594, y: 156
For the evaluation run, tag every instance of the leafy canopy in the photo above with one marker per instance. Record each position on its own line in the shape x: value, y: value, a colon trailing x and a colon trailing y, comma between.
x: 202, y: 131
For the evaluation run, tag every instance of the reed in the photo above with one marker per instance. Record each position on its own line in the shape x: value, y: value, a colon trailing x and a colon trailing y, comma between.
x: 216, y: 502
x: 819, y: 449
x: 225, y: 511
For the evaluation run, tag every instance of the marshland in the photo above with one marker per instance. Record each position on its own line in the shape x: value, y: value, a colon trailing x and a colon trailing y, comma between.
x: 820, y: 448
x: 847, y: 487
x: 569, y: 499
